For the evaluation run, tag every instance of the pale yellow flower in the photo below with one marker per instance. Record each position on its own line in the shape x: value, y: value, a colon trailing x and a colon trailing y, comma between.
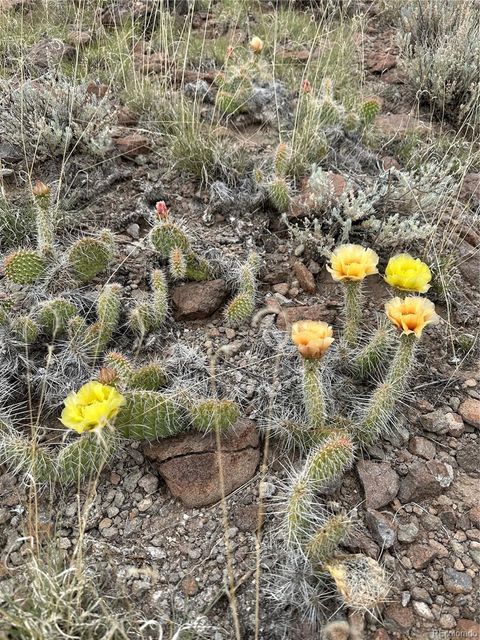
x: 352, y: 262
x: 312, y: 338
x: 256, y: 45
x: 411, y: 314
x: 93, y: 406
x: 408, y: 273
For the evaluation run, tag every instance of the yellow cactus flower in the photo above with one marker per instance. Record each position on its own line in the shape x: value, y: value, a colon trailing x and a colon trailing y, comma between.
x: 411, y: 314
x: 312, y: 338
x: 352, y: 262
x: 408, y: 273
x: 256, y: 45
x: 93, y: 406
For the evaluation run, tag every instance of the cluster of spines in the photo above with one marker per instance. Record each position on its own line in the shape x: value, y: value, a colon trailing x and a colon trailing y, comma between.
x: 278, y: 187
x: 368, y: 111
x: 174, y: 246
x: 241, y: 307
x: 150, y: 315
x: 54, y: 315
x: 25, y: 266
x: 88, y: 257
x: 148, y: 377
x: 213, y: 414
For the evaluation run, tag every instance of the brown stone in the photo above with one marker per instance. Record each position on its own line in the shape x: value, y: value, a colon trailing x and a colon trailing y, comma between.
x: 96, y: 89
x: 470, y: 411
x: 421, y: 555
x: 380, y: 483
x: 189, y: 586
x: 189, y: 463
x: 126, y: 117
x: 289, y: 315
x: 468, y: 629
x: 389, y: 162
x: 197, y: 300
x: 474, y: 515
x: 398, y: 618
x: 133, y: 144
x: 470, y: 189
x: 380, y: 61
x: 381, y: 634
x: 304, y: 277
x: 79, y: 38
x: 425, y: 480
x: 422, y: 447
x: 246, y: 517
x: 339, y: 183
x: 49, y: 52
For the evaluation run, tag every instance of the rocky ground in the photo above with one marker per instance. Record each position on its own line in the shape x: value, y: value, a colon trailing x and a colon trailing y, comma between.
x: 156, y: 524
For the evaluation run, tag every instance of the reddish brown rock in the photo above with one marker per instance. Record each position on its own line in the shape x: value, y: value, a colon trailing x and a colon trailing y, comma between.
x: 470, y: 189
x: 189, y: 463
x: 189, y: 586
x: 380, y: 483
x: 304, y: 277
x: 126, y: 117
x: 421, y: 555
x: 425, y: 480
x: 133, y: 144
x: 398, y: 618
x: 422, y: 447
x: 339, y: 183
x: 96, y: 89
x: 289, y: 315
x: 197, y: 300
x: 470, y: 411
x: 468, y: 629
x: 380, y: 61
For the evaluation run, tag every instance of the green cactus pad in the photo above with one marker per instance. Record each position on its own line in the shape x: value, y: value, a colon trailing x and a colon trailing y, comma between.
x: 148, y: 415
x: 165, y: 236
x: 54, y: 315
x: 24, y: 266
x: 85, y: 457
x: 209, y: 415
x: 90, y: 256
x: 25, y: 329
x: 240, y: 309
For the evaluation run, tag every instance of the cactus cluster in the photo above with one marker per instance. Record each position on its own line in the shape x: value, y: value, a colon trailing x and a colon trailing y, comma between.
x: 241, y: 307
x: 330, y: 441
x: 173, y: 245
x: 83, y: 260
x: 150, y: 315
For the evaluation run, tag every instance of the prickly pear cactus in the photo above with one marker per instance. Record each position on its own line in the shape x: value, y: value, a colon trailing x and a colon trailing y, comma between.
x: 24, y: 266
x: 149, y: 415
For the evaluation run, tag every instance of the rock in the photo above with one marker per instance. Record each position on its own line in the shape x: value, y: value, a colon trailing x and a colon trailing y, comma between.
x: 189, y: 463
x: 435, y: 422
x: 198, y: 300
x: 281, y: 288
x: 465, y: 489
x: 189, y: 586
x: 305, y: 278
x: 470, y: 411
x: 398, y: 618
x: 422, y: 447
x: 389, y: 162
x: 468, y: 629
x: 379, y: 61
x: 398, y: 125
x: 407, y: 532
x: 467, y: 457
x: 380, y: 634
x: 360, y: 541
x: 9, y: 153
x: 246, y: 517
x: 133, y: 144
x: 49, y: 52
x: 380, y: 483
x: 291, y: 314
x: 79, y: 38
x: 425, y: 480
x: 382, y: 528
x: 97, y: 89
x: 126, y: 117
x: 457, y: 581
x: 474, y: 515
x: 421, y: 555
x: 447, y: 621
x: 470, y: 189
x: 339, y: 183
x: 422, y: 610
x: 133, y: 230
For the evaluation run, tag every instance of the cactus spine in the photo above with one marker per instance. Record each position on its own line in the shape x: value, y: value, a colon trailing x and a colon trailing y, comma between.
x: 88, y: 257
x: 353, y: 314
x: 382, y: 403
x: 86, y: 456
x: 171, y: 241
x: 44, y: 219
x: 371, y: 356
x: 97, y: 336
x: 150, y: 315
x: 322, y: 544
x: 54, y: 315
x: 313, y: 394
x: 24, y: 266
x: 212, y: 415
x: 369, y: 110
x: 24, y: 457
x: 360, y: 580
x: 242, y: 306
x: 148, y: 415
x: 149, y: 377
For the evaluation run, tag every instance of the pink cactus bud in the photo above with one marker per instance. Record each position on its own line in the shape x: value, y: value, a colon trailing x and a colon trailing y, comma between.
x: 161, y: 209
x: 306, y: 86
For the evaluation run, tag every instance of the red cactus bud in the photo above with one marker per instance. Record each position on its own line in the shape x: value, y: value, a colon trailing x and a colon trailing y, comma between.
x: 306, y: 86
x: 161, y: 209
